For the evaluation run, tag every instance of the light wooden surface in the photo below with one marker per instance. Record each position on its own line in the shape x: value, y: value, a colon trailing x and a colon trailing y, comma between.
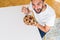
x: 4, y: 3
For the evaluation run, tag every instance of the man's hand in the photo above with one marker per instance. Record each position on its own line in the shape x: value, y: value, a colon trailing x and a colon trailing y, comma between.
x: 25, y: 10
x: 43, y: 28
x: 35, y: 23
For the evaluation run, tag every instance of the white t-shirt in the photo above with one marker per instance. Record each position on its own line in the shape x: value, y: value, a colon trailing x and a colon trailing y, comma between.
x: 45, y: 18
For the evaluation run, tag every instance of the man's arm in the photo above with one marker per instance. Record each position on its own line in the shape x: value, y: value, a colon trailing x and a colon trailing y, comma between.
x: 43, y: 28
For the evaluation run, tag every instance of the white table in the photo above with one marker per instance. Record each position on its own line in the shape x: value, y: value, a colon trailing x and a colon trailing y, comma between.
x: 12, y: 26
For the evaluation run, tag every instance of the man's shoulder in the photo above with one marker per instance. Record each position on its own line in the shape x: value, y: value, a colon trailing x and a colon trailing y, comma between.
x: 50, y: 10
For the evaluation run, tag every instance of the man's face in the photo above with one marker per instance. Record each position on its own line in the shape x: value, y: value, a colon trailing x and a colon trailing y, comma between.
x: 37, y: 5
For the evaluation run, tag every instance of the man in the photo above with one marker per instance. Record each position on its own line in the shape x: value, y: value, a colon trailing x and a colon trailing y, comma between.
x: 43, y: 13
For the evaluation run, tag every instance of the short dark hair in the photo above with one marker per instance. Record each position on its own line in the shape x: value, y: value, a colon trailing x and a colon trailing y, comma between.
x: 42, y: 0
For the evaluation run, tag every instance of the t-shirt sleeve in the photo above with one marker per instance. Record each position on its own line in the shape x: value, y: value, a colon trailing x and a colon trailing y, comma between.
x: 51, y: 20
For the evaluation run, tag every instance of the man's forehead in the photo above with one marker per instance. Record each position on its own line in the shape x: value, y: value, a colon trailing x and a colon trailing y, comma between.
x: 36, y: 1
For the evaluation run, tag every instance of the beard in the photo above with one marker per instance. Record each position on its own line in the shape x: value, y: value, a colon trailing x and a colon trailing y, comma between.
x: 38, y: 10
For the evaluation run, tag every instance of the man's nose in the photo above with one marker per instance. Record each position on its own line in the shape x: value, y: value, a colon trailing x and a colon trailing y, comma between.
x: 36, y: 7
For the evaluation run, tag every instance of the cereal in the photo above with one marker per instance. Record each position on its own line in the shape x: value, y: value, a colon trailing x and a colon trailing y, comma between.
x: 29, y: 20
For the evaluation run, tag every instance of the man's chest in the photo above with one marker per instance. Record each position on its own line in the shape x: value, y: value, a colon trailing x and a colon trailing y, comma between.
x: 42, y: 18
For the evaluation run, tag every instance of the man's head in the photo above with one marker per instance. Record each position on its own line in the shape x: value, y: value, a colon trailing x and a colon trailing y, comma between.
x: 37, y: 5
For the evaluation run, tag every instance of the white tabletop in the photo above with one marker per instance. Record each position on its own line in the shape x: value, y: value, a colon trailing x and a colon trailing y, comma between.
x: 12, y: 26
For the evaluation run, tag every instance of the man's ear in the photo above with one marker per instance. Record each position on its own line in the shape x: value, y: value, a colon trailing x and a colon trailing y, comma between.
x: 43, y: 0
